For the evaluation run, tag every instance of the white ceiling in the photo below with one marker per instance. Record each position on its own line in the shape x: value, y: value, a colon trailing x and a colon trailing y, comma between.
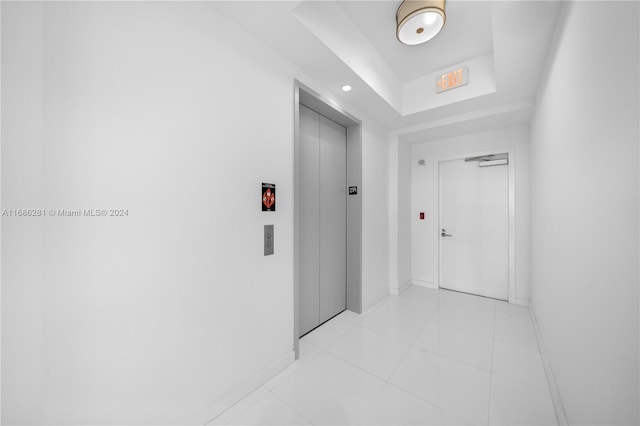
x: 333, y: 52
x: 466, y: 34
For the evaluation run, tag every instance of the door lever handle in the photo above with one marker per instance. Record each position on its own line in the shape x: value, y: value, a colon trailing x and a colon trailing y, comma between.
x: 444, y: 234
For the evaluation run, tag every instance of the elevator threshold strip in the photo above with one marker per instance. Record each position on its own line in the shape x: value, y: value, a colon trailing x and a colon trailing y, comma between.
x: 321, y: 324
x: 473, y: 294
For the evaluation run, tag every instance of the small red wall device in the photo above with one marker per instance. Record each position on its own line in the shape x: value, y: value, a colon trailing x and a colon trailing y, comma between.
x: 421, y: 215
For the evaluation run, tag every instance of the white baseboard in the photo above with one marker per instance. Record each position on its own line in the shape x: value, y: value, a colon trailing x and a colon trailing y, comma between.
x: 561, y: 416
x: 244, y: 388
x: 398, y: 291
x: 521, y: 302
x: 425, y: 284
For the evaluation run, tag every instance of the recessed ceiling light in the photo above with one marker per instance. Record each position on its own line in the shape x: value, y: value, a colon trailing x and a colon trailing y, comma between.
x: 419, y: 20
x: 346, y: 88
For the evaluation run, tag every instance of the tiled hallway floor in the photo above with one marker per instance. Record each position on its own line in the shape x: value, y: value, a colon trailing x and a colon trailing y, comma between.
x: 424, y: 357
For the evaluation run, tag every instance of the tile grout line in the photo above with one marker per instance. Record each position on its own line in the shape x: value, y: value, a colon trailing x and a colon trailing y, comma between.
x: 373, y: 399
x: 238, y: 403
x: 360, y: 369
x: 520, y: 382
x: 552, y: 385
x: 414, y: 346
x: 438, y: 352
x: 298, y: 369
x: 398, y: 365
x: 457, y: 415
x: 320, y: 350
x: 456, y: 361
x: 290, y: 407
x: 351, y: 325
x: 350, y: 364
x: 404, y: 342
x: 422, y: 399
x: 385, y: 381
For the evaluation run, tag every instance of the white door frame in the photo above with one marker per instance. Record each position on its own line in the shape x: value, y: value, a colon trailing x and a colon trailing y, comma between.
x: 512, y: 214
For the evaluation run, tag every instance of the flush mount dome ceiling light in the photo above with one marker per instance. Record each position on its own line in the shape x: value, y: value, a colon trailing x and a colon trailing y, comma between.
x: 419, y: 20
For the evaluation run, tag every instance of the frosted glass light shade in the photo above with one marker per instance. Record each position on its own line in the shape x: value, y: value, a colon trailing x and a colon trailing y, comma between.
x: 419, y: 20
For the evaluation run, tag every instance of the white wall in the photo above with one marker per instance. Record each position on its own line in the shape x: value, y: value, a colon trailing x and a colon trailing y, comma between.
x: 375, y: 214
x: 167, y: 110
x: 399, y: 231
x: 151, y: 317
x: 423, y: 240
x: 392, y: 208
x: 585, y: 212
x: 22, y: 326
x: 404, y: 215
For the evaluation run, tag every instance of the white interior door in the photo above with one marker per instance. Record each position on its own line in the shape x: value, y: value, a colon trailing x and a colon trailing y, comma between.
x: 474, y: 228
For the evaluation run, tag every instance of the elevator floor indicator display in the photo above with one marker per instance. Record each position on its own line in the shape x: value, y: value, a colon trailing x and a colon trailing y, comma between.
x: 268, y: 197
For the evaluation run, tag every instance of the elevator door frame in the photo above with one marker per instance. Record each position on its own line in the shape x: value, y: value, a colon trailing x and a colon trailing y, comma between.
x: 306, y: 96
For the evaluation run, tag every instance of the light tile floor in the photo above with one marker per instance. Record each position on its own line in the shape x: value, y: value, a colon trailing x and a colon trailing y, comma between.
x: 424, y: 357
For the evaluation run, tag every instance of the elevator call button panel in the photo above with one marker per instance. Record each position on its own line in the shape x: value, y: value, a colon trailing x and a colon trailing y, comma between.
x: 268, y: 240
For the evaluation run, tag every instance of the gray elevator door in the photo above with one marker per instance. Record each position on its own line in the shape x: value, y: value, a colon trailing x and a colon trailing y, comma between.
x: 323, y: 224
